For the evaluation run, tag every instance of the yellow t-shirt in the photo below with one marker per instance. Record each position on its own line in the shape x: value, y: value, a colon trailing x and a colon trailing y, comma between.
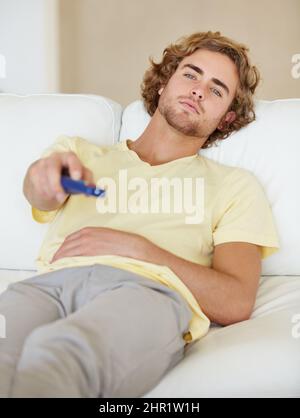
x: 212, y: 204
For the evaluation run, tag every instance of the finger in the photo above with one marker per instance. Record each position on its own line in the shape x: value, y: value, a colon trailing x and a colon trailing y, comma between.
x: 42, y: 185
x: 72, y: 237
x: 88, y: 176
x: 68, y: 250
x: 72, y: 162
x: 39, y: 179
x: 54, y: 179
x: 75, y: 235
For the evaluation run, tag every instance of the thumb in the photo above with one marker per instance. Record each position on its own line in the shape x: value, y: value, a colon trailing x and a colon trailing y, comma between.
x: 88, y: 176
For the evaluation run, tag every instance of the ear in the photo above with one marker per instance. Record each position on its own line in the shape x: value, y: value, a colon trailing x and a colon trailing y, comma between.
x: 160, y: 90
x: 229, y: 118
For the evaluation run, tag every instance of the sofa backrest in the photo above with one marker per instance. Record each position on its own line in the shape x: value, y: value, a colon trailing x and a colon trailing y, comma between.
x: 28, y: 125
x: 269, y: 147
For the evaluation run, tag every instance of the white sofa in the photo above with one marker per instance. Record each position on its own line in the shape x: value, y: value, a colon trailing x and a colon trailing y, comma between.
x: 255, y: 358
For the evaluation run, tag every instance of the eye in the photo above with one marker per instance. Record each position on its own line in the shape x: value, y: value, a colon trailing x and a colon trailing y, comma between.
x: 188, y: 75
x: 217, y: 92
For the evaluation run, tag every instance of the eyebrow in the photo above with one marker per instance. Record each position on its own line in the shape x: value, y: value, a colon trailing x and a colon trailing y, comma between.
x: 201, y: 72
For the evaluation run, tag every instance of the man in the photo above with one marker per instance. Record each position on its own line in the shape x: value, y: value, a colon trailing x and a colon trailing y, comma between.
x: 124, y: 287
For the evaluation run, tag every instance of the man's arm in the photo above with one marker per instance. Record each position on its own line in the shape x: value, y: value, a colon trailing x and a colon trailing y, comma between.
x: 226, y: 292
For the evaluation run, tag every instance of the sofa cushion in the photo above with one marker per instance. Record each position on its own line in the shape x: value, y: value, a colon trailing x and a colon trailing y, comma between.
x: 269, y: 148
x: 28, y: 125
x: 254, y: 358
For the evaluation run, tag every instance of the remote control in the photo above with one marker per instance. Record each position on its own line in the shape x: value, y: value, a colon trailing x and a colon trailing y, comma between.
x: 80, y: 186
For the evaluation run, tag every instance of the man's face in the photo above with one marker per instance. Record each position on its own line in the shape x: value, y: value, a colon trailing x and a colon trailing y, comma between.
x: 207, y: 80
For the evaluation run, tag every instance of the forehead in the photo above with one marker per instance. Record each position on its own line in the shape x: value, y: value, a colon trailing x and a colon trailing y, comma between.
x: 214, y: 65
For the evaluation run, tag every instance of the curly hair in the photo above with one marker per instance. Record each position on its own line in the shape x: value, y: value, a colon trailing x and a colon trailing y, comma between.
x: 242, y: 104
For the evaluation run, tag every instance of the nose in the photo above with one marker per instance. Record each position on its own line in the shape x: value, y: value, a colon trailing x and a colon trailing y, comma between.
x: 198, y: 90
x: 198, y: 93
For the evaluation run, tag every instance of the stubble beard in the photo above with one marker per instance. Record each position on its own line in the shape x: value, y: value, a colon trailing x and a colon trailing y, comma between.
x: 183, y: 121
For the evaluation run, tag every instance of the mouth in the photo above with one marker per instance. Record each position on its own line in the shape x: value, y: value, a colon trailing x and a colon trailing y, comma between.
x: 187, y: 105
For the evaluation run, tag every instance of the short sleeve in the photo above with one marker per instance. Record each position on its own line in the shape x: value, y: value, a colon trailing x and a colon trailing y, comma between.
x: 43, y: 216
x: 243, y: 213
x: 62, y: 143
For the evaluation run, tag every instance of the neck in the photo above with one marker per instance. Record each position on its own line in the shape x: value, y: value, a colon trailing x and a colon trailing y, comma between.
x: 160, y: 143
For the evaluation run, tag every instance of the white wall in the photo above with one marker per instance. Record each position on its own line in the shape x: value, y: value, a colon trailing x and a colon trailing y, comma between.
x: 29, y: 45
x: 105, y: 44
x: 80, y: 46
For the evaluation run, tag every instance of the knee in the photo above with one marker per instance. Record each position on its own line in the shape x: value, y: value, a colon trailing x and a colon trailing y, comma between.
x: 40, y: 335
x: 59, y: 335
x: 57, y: 332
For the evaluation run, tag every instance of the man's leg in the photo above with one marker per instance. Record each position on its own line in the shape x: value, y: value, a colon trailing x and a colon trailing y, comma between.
x: 118, y: 344
x: 25, y: 306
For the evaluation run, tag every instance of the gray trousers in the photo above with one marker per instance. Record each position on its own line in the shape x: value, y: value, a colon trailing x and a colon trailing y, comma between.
x: 92, y: 331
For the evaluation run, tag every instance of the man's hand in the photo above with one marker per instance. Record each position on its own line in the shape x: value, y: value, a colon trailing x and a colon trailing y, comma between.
x: 91, y: 241
x: 42, y: 186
